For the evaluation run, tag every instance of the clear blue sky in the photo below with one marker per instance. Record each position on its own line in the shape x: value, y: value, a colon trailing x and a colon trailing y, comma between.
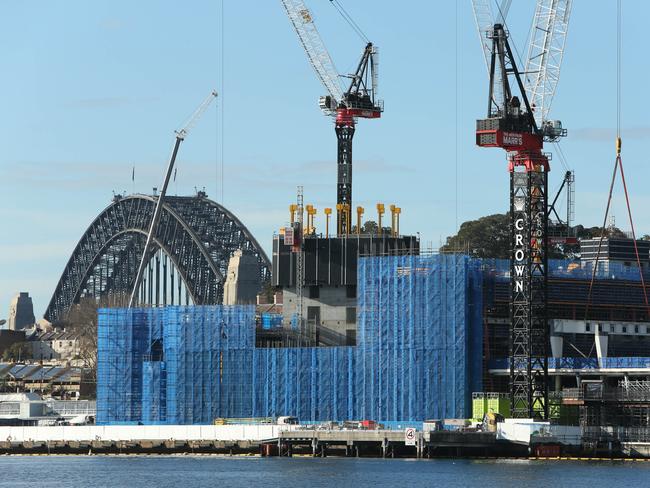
x: 90, y: 88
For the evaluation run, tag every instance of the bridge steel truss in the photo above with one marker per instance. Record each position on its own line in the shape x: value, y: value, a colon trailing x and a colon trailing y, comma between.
x: 194, y: 242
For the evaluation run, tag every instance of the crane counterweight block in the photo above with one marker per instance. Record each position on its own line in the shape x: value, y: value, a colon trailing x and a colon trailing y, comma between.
x: 510, y: 141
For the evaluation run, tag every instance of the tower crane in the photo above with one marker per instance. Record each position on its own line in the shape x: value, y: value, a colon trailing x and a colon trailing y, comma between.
x: 346, y: 105
x: 517, y: 121
x: 181, y: 134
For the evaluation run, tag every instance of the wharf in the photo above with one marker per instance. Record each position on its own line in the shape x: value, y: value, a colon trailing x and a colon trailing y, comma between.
x: 218, y: 439
x: 516, y: 440
x: 391, y: 443
x: 261, y: 439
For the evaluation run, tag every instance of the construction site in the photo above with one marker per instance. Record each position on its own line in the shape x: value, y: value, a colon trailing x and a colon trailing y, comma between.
x: 356, y: 339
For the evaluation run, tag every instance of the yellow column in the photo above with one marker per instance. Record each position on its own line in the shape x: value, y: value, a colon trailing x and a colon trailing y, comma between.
x: 359, y: 215
x: 292, y: 212
x: 328, y: 212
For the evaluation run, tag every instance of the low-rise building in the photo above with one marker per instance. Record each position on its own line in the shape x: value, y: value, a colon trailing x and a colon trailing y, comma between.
x: 57, y: 381
x: 54, y: 345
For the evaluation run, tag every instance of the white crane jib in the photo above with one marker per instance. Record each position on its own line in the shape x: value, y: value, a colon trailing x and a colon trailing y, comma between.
x: 320, y: 59
x: 544, y: 59
x: 180, y: 136
x: 484, y: 18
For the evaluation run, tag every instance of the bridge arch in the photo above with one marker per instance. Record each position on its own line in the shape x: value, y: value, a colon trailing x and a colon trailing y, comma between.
x: 194, y: 242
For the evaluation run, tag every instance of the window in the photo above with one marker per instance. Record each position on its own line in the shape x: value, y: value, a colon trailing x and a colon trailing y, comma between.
x: 636, y: 329
x: 313, y: 315
x: 351, y: 291
x: 351, y: 315
x: 588, y: 327
x: 624, y: 329
x: 600, y: 328
x: 314, y: 292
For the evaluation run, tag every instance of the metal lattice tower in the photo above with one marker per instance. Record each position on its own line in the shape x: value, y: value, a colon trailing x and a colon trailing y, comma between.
x: 300, y: 264
x: 529, y: 285
x: 510, y: 125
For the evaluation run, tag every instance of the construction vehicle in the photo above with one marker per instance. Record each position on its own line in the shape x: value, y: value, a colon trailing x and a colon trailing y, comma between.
x: 517, y: 121
x: 358, y: 100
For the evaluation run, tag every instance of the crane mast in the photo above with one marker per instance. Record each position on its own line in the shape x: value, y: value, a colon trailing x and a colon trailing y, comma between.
x: 518, y: 123
x: 511, y: 125
x: 357, y: 101
x: 153, y: 227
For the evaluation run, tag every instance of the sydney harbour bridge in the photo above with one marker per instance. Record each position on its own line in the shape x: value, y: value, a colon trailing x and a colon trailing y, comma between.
x: 187, y: 263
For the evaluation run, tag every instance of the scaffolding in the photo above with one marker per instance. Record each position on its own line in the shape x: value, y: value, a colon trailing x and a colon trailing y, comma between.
x: 419, y: 334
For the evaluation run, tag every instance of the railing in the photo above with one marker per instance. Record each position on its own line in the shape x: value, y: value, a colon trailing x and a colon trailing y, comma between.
x: 10, y: 408
x: 606, y: 394
x: 73, y: 408
x: 620, y: 434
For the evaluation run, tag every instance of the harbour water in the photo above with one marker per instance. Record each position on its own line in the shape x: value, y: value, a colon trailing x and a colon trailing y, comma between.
x: 233, y: 472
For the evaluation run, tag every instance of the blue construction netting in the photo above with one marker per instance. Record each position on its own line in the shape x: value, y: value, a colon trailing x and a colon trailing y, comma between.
x: 572, y: 268
x: 154, y: 397
x: 271, y: 320
x: 420, y: 336
x: 418, y: 355
x: 122, y: 343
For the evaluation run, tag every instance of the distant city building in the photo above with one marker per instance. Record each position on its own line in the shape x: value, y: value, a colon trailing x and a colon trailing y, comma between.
x: 21, y: 312
x: 242, y: 279
x: 615, y: 250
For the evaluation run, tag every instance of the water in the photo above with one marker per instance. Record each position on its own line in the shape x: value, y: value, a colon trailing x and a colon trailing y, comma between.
x: 199, y: 471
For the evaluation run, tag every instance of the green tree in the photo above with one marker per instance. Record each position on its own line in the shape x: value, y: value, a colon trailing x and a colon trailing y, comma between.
x: 370, y: 227
x: 487, y: 237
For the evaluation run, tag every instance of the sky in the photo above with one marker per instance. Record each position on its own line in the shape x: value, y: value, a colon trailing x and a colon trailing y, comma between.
x: 90, y: 89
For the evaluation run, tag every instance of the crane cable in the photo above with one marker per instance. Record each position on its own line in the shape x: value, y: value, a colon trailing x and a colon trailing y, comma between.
x: 348, y: 18
x: 618, y: 163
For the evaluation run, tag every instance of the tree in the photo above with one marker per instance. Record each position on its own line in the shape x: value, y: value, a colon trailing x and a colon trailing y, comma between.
x: 81, y: 320
x: 370, y: 227
x: 18, y: 351
x: 268, y: 291
x: 487, y: 237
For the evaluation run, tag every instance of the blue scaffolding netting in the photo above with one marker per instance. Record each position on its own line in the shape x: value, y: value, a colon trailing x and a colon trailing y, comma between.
x: 573, y: 269
x: 418, y: 355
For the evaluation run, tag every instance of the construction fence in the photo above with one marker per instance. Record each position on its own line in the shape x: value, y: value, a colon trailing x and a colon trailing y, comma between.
x: 417, y: 355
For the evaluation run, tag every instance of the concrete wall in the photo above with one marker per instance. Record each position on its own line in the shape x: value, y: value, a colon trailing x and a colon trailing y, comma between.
x: 331, y: 306
x: 143, y: 432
